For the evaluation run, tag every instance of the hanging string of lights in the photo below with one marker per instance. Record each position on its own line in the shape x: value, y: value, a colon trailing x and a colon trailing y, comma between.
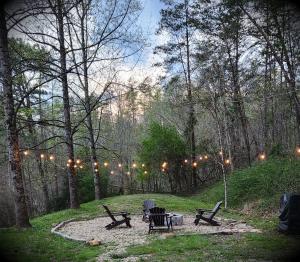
x: 78, y: 163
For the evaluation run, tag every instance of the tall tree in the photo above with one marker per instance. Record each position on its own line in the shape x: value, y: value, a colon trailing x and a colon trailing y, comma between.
x: 22, y: 218
x: 59, y: 11
x: 176, y: 20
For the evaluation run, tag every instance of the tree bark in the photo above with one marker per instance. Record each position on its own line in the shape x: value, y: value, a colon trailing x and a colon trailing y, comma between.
x: 74, y: 201
x: 22, y: 218
x: 88, y: 107
x: 191, y: 121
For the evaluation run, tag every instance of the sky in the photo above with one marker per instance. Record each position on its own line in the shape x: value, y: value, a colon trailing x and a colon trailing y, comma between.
x: 141, y: 65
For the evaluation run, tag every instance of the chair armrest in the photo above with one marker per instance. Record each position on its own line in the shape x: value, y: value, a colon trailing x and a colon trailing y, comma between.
x: 120, y: 213
x: 153, y: 214
x: 204, y: 210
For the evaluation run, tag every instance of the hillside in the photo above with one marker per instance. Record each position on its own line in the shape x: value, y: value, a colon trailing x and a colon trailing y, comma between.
x: 259, y: 187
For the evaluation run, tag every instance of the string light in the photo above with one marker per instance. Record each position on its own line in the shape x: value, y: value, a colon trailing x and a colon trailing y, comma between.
x: 95, y: 164
x: 78, y: 161
x: 96, y: 170
x: 221, y: 153
x: 128, y: 173
x: 162, y: 170
x: 227, y: 161
x: 262, y: 156
x: 134, y: 165
x: 206, y: 157
x: 298, y: 150
x: 68, y: 165
x: 164, y: 165
x: 51, y: 157
x: 195, y: 164
x: 119, y: 165
x: 186, y: 161
x: 75, y: 166
x: 112, y: 172
x: 143, y: 165
x: 81, y: 166
x: 26, y: 153
x: 70, y: 161
x: 145, y: 172
x: 42, y: 156
x: 105, y: 164
x: 200, y: 158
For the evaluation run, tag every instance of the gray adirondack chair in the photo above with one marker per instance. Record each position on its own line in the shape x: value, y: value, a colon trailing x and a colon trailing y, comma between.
x: 148, y: 204
x: 208, y: 215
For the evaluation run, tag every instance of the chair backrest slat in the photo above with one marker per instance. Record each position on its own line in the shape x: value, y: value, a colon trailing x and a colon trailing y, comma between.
x: 158, y: 220
x: 109, y: 213
x: 216, y: 209
x: 148, y: 204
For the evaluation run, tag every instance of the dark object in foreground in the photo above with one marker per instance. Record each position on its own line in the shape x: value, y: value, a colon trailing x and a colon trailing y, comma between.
x: 208, y: 215
x: 116, y: 222
x: 159, y: 220
x: 148, y: 204
x: 289, y: 218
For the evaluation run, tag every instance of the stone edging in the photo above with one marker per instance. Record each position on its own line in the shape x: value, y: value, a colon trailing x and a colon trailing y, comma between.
x: 55, y: 229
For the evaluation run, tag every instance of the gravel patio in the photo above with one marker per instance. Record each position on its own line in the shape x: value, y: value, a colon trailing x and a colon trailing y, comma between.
x: 121, y: 237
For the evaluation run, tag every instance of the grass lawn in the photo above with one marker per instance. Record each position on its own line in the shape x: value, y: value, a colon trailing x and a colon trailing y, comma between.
x: 38, y: 244
x: 261, y: 184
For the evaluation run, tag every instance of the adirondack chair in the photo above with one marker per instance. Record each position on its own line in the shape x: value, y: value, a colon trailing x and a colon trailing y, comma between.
x: 125, y: 219
x: 159, y: 220
x: 208, y: 215
x: 146, y: 209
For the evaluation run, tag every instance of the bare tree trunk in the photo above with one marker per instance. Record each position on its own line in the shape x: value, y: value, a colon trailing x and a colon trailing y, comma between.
x: 22, y: 218
x: 88, y: 106
x: 74, y: 201
x: 192, y: 119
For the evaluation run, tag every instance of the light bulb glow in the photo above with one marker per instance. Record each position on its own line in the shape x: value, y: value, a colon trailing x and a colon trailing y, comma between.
x: 78, y: 161
x: 164, y: 165
x: 42, y: 156
x: 262, y: 156
x: 51, y: 157
x: 227, y: 161
x: 26, y: 153
x: 105, y: 164
x: 195, y: 164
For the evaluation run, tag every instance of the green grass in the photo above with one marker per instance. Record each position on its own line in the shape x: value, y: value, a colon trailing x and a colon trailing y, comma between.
x: 261, y: 184
x: 270, y: 246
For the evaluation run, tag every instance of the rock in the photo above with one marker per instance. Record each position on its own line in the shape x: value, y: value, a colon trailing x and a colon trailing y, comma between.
x: 94, y: 242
